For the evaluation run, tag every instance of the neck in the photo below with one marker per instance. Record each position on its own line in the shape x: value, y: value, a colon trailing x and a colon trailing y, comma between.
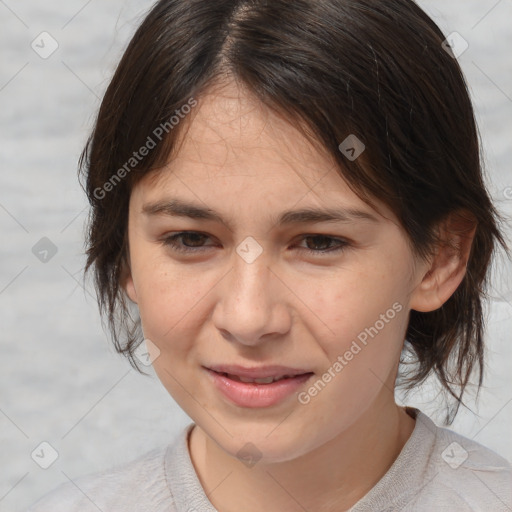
x: 330, y: 478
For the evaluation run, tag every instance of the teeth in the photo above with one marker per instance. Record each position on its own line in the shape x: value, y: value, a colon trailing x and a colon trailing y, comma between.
x: 264, y: 380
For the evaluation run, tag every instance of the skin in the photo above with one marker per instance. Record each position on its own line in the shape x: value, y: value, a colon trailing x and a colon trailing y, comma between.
x: 287, y: 307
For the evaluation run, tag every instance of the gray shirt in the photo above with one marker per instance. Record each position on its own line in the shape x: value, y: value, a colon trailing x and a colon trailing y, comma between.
x: 437, y: 470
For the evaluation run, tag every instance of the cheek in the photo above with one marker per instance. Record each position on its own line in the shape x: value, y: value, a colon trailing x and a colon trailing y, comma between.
x: 366, y: 318
x: 359, y: 322
x: 343, y: 305
x: 169, y: 307
x: 167, y: 296
x: 166, y: 309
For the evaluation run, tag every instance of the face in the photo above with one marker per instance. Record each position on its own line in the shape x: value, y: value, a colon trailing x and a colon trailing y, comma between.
x: 249, y: 287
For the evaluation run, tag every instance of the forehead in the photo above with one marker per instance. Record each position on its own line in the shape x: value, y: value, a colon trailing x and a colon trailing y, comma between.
x: 230, y: 127
x: 232, y: 142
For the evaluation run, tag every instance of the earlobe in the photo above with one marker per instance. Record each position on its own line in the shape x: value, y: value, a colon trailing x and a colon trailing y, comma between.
x: 130, y: 289
x: 127, y: 283
x: 447, y: 268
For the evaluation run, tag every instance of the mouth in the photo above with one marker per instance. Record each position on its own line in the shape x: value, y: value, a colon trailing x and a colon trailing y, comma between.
x: 257, y: 387
x: 261, y: 380
x: 258, y: 374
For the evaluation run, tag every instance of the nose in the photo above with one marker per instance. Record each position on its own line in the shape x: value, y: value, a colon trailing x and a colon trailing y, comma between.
x: 251, y: 306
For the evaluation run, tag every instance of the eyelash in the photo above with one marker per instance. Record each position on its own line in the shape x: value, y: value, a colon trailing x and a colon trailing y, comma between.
x: 171, y: 241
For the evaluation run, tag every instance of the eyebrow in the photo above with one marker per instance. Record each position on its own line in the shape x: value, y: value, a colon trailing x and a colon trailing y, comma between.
x: 179, y: 208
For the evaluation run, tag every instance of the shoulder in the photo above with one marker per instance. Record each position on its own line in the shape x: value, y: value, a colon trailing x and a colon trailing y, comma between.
x: 464, y: 475
x: 139, y: 485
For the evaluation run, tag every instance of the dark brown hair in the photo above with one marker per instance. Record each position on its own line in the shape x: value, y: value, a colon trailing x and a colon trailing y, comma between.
x: 334, y: 67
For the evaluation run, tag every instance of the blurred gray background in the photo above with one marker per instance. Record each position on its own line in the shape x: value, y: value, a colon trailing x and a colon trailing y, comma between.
x: 60, y: 381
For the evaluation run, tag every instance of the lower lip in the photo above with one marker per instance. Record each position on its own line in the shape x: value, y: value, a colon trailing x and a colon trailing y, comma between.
x: 248, y: 394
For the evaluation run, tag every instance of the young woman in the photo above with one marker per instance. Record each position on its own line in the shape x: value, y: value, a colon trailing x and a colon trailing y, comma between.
x: 290, y: 194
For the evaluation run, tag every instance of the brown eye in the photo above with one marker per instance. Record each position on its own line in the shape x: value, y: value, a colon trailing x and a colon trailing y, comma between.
x: 186, y: 241
x: 322, y: 244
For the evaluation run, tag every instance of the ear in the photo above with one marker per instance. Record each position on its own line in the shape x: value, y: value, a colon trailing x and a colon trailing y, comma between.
x: 445, y: 270
x: 126, y: 280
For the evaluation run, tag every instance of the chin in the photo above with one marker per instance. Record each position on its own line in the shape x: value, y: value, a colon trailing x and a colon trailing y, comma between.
x: 257, y: 446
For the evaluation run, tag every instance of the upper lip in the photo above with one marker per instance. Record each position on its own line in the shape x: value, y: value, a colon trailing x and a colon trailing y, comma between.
x: 257, y: 372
